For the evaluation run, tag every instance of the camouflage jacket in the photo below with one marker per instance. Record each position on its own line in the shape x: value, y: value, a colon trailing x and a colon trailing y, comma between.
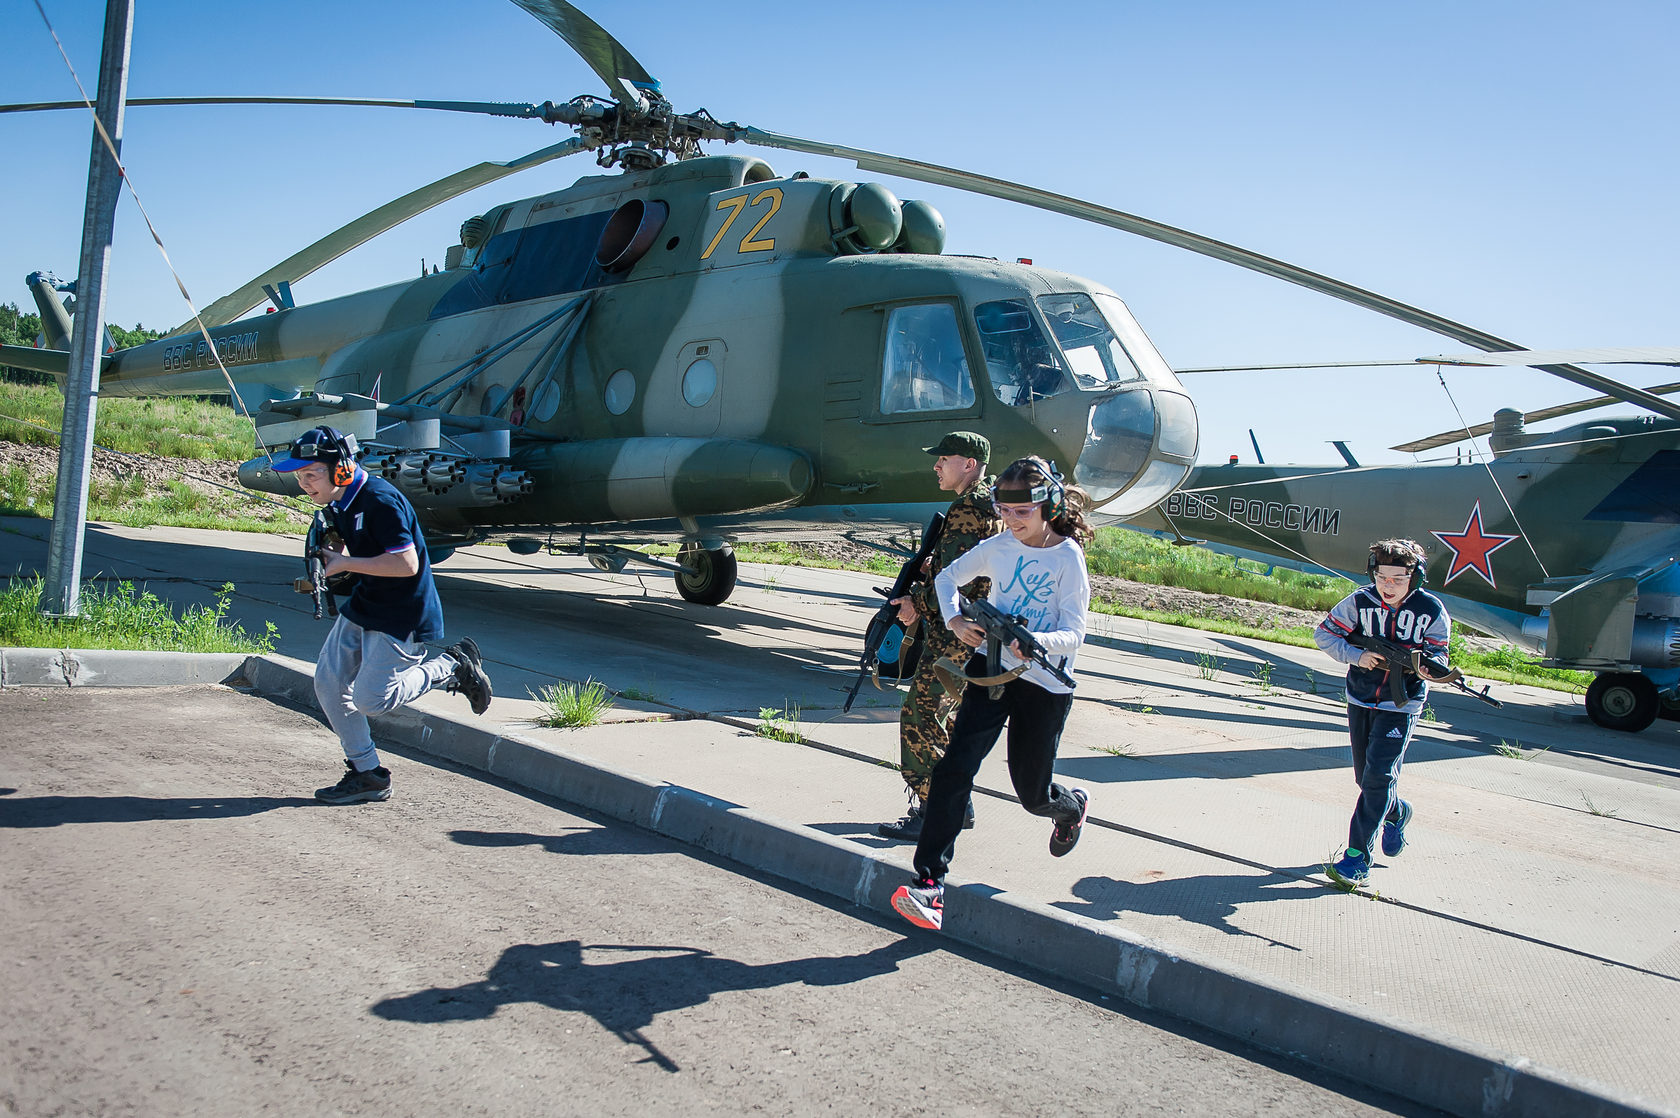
x: 969, y: 520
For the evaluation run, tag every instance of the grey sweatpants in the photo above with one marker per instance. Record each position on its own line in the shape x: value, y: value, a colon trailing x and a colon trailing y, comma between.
x: 361, y: 672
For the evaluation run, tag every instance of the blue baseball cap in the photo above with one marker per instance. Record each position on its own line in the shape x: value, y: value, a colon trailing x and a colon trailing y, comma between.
x: 324, y: 446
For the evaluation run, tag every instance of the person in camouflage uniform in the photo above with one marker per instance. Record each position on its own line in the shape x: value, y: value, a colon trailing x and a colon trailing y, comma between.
x: 923, y: 721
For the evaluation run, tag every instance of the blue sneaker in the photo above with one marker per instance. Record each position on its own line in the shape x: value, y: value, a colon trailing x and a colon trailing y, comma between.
x: 1394, y: 831
x: 1350, y: 871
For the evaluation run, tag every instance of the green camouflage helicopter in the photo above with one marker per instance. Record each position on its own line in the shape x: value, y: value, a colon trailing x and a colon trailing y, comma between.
x: 692, y: 350
x: 1564, y: 543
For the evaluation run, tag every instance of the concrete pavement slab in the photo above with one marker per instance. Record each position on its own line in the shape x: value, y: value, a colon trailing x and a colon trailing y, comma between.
x: 1523, y: 921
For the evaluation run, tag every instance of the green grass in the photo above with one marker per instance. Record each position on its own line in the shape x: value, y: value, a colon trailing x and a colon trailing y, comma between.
x: 175, y: 426
x: 128, y: 501
x: 571, y: 705
x: 1141, y: 558
x: 125, y: 617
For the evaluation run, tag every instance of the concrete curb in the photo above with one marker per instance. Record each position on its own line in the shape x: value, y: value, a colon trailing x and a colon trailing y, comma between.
x: 93, y: 667
x: 1432, y: 1068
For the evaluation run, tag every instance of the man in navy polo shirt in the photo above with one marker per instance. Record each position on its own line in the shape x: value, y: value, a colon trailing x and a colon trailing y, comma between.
x: 374, y: 660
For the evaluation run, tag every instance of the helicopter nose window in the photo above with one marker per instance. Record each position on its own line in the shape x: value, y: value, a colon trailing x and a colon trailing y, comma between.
x: 1019, y: 360
x: 924, y: 367
x: 1092, y: 350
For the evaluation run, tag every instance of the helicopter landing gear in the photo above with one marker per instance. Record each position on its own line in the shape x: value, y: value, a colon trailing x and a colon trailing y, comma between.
x: 1622, y: 701
x: 708, y: 576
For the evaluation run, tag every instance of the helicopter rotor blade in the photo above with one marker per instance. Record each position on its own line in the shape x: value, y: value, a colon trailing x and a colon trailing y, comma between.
x: 1447, y: 438
x: 595, y: 45
x: 488, y: 108
x: 1604, y: 355
x: 335, y: 244
x: 1206, y: 246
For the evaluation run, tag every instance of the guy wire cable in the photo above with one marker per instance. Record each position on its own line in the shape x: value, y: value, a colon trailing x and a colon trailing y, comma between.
x: 122, y: 172
x: 1488, y: 466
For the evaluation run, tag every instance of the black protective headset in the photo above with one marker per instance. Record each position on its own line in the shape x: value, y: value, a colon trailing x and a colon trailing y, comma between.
x: 1420, y: 569
x: 1051, y: 491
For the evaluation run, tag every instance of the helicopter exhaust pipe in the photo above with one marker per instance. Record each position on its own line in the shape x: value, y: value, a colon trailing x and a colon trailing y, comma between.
x: 1656, y: 642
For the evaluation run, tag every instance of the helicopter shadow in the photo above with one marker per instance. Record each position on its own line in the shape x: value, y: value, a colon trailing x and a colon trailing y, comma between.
x: 627, y: 995
x: 56, y: 811
x: 1211, y: 900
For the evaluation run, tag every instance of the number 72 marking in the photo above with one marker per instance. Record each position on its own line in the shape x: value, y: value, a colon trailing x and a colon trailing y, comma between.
x: 735, y: 205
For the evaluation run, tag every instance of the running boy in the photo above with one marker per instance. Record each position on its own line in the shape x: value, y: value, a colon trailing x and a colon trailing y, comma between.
x: 1395, y: 608
x: 1037, y: 571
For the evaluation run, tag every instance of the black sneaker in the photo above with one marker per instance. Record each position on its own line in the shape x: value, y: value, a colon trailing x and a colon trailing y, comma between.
x: 1065, y: 836
x: 358, y: 787
x: 909, y: 829
x: 470, y: 679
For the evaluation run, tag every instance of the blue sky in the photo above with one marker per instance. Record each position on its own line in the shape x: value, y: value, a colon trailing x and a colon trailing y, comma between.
x: 1510, y: 165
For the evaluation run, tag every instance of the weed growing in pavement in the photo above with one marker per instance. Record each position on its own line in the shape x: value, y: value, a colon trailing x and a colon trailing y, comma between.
x: 1114, y: 750
x: 122, y: 617
x: 568, y: 706
x: 1263, y: 673
x: 1312, y: 682
x: 1207, y: 665
x: 640, y: 694
x: 1601, y: 812
x: 1427, y: 713
x: 782, y: 725
x: 1506, y: 749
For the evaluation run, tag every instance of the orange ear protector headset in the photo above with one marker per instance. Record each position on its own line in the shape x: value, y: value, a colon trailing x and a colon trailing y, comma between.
x: 341, y: 446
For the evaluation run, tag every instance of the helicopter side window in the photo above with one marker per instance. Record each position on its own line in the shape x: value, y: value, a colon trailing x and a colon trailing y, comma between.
x: 924, y: 368
x: 1019, y: 360
x: 1093, y: 352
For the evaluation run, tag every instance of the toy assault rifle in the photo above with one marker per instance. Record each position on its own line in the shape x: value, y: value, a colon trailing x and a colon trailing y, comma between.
x: 1402, y: 660
x: 1002, y: 629
x: 882, y: 623
x: 315, y: 583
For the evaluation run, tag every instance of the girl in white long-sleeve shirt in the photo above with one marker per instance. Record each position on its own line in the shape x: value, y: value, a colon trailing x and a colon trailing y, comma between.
x: 1037, y: 569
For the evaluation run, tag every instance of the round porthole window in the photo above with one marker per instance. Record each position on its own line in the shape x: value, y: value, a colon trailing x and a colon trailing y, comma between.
x: 547, y: 402
x: 700, y: 383
x: 620, y: 393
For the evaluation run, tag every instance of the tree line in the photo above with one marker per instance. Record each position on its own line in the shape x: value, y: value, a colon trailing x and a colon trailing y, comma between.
x: 18, y: 327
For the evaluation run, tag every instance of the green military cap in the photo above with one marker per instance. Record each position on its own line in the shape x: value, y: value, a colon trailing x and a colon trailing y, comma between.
x: 966, y: 443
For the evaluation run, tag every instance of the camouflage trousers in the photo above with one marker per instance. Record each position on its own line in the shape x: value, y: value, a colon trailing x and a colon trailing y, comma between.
x: 924, y: 722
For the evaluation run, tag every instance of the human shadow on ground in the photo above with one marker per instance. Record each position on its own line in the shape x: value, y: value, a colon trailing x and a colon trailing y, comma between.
x: 625, y: 995
x: 54, y: 811
x: 580, y: 840
x: 1217, y: 764
x: 1211, y: 900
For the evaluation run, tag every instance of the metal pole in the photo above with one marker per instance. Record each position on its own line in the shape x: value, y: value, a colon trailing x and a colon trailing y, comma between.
x: 62, y: 590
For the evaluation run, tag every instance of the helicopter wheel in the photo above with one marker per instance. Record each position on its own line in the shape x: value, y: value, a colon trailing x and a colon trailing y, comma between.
x: 713, y: 579
x: 1622, y: 701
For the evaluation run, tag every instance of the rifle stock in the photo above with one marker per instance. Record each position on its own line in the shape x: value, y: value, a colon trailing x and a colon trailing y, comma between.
x: 880, y: 624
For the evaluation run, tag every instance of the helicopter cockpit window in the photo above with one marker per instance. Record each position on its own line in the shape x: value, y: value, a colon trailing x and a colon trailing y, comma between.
x: 1019, y: 360
x: 924, y: 368
x: 1093, y: 351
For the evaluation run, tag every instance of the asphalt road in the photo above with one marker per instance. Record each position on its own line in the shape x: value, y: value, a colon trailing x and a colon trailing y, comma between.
x: 185, y: 932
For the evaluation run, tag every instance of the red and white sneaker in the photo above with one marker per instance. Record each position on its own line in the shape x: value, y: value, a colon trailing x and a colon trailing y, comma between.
x: 923, y: 904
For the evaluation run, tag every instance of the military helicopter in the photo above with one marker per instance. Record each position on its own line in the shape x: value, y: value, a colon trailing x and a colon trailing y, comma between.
x: 695, y: 349
x: 692, y: 350
x: 1564, y: 542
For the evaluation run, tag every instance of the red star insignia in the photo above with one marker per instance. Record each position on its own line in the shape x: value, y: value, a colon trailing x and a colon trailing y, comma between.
x: 1472, y: 548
